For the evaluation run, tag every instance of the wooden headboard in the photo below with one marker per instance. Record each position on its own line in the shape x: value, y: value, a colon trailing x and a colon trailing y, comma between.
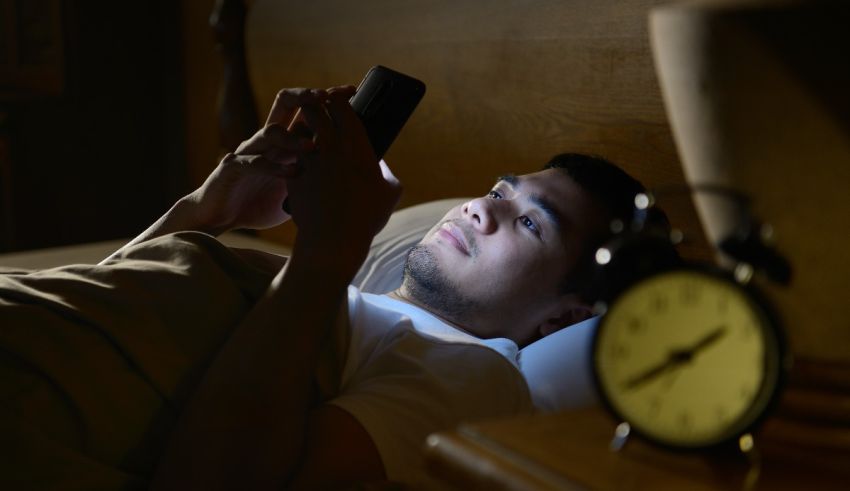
x: 510, y: 84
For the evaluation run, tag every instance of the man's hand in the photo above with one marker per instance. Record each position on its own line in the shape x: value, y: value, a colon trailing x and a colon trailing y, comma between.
x: 343, y: 196
x: 247, y: 188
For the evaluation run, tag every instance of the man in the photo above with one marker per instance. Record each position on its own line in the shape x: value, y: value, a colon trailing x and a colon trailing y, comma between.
x: 498, y: 272
x: 496, y: 267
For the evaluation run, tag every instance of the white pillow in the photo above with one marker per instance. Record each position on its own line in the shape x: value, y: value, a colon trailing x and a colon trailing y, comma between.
x: 383, y: 268
x: 557, y: 367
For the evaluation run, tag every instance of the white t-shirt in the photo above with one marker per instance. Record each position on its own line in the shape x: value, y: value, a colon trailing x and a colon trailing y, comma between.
x: 408, y: 374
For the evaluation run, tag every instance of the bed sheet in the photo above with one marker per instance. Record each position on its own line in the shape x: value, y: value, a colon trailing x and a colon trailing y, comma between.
x: 97, y: 360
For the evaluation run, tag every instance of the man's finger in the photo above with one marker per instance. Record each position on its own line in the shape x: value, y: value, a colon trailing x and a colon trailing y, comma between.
x: 300, y: 128
x: 273, y: 137
x: 286, y: 102
x: 319, y: 121
x: 351, y: 127
x: 388, y: 174
x: 260, y: 164
x: 342, y: 114
x: 344, y: 90
x: 283, y: 157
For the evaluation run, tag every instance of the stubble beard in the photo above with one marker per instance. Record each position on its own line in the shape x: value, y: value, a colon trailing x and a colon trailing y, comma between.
x: 428, y: 286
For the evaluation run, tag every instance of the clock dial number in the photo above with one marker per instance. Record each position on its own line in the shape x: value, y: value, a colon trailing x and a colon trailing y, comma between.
x: 690, y: 294
x: 636, y: 325
x: 659, y: 304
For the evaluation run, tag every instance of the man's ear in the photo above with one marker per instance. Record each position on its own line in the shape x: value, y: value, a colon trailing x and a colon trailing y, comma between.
x: 571, y: 310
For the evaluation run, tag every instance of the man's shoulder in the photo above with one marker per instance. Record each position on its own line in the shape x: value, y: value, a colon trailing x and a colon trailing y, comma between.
x: 393, y: 318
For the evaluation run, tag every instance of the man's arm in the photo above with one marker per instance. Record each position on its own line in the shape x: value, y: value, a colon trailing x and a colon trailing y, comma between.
x: 339, y: 453
x: 178, y: 218
x: 248, y: 187
x: 245, y: 427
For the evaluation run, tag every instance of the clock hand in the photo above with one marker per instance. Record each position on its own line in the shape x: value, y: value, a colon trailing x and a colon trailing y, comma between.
x: 675, y: 359
x: 707, y: 340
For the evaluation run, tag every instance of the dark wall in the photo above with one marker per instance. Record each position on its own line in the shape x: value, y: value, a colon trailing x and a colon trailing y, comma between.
x: 105, y: 157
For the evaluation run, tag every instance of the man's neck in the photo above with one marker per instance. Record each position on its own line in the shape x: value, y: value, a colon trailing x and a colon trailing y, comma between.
x: 403, y: 295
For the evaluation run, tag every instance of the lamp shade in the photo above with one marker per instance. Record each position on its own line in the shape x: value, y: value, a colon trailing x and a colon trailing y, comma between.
x: 758, y: 97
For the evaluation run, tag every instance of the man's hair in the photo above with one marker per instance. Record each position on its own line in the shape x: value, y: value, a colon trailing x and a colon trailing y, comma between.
x: 611, y: 188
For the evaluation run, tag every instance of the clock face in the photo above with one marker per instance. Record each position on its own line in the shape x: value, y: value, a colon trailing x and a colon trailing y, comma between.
x: 687, y: 358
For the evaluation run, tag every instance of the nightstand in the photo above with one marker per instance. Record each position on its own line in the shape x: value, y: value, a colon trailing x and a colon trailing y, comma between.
x: 571, y: 450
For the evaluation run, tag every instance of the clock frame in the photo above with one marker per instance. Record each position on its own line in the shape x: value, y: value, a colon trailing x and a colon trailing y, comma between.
x: 678, y: 334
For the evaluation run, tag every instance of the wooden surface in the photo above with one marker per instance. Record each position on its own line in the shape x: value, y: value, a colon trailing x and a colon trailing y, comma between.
x: 571, y: 450
x: 510, y: 84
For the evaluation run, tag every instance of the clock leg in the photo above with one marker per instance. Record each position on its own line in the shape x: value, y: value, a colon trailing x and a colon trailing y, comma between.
x: 621, y: 436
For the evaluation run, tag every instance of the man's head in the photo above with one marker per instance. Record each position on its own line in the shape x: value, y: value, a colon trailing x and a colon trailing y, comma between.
x: 513, y: 262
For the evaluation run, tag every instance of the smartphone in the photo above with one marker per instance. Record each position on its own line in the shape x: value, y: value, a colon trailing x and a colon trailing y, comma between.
x: 384, y: 100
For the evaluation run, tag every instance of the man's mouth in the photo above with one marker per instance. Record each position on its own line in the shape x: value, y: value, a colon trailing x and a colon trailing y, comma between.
x: 454, y: 236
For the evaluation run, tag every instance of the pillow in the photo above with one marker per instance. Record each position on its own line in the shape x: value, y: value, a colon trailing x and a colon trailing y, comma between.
x: 383, y: 268
x: 557, y: 367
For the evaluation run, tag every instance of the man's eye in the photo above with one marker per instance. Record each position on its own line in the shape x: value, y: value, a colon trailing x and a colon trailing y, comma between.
x: 527, y: 223
x: 494, y: 194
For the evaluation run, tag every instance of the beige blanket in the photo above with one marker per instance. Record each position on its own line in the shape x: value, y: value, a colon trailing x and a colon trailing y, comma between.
x: 97, y: 360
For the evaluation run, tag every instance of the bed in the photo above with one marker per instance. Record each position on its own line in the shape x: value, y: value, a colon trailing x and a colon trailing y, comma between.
x: 510, y: 83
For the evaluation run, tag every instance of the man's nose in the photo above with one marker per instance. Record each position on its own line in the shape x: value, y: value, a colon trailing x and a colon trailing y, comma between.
x: 481, y: 214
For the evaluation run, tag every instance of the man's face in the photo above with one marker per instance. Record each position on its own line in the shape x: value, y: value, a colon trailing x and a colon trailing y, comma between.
x: 493, y: 265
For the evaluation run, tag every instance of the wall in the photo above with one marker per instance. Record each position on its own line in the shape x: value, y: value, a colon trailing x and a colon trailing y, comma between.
x: 100, y: 155
x: 202, y: 70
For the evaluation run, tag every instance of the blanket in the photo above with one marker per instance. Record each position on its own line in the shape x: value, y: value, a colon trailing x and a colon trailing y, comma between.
x: 97, y: 360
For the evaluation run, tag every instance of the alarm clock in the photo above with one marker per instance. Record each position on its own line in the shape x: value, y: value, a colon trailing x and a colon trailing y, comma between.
x: 691, y: 356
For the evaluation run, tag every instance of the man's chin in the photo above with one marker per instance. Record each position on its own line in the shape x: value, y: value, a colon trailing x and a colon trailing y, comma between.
x: 421, y: 266
x: 427, y: 283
